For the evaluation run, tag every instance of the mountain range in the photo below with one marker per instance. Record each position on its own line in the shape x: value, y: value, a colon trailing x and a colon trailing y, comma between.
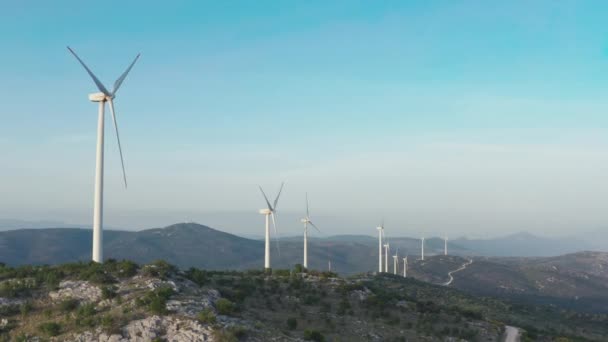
x: 195, y: 245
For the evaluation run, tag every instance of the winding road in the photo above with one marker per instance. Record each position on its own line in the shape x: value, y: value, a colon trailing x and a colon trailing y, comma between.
x: 447, y: 283
x: 511, y: 334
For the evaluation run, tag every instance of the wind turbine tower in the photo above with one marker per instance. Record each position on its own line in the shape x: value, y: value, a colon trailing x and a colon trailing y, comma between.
x: 306, y: 222
x: 405, y: 267
x: 102, y: 97
x: 395, y: 261
x: 380, y: 232
x: 445, y: 245
x: 269, y: 212
x: 422, y: 248
x: 386, y: 246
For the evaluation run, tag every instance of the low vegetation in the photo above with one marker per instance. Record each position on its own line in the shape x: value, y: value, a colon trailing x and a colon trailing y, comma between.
x: 305, y: 304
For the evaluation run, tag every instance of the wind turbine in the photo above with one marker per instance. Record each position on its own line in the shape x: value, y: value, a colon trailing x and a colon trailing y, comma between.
x: 386, y: 246
x: 328, y: 258
x: 102, y: 97
x: 269, y: 212
x: 395, y: 261
x: 380, y: 232
x: 445, y: 245
x: 306, y: 222
x: 405, y: 267
x: 422, y: 248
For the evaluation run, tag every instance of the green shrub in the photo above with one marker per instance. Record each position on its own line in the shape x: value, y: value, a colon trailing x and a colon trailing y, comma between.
x: 197, y: 276
x: 313, y: 335
x: 224, y: 306
x: 159, y: 268
x: 68, y: 305
x: 156, y: 300
x: 85, y: 315
x: 50, y: 328
x: 108, y: 292
x: 292, y: 323
x: 207, y: 316
x: 25, y: 308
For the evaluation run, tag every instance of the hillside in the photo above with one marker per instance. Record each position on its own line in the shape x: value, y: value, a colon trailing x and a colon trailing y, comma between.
x: 578, y: 281
x: 122, y: 301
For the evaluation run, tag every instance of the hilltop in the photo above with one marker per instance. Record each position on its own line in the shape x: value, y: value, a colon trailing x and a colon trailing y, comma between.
x: 120, y: 301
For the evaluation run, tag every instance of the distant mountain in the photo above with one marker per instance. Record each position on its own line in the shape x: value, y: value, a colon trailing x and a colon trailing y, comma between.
x: 191, y: 244
x: 522, y: 244
x: 195, y: 245
x: 10, y: 224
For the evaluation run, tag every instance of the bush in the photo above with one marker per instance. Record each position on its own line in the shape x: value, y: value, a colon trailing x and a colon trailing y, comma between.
x: 156, y: 300
x: 108, y: 292
x: 197, y: 276
x: 68, y: 305
x: 224, y: 306
x: 85, y: 315
x: 313, y: 335
x: 50, y: 328
x: 25, y: 308
x: 292, y: 323
x: 207, y: 316
x: 159, y: 268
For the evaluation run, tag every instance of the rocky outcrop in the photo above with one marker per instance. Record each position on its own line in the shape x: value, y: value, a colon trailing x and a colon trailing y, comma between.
x: 80, y: 290
x: 147, y: 329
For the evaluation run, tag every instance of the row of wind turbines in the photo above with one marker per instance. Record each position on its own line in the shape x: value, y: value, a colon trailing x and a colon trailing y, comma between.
x: 105, y: 96
x: 386, y: 246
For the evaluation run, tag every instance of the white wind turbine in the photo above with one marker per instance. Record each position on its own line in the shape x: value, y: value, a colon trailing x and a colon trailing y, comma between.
x: 270, y: 212
x: 395, y: 261
x: 405, y: 267
x: 386, y: 247
x: 445, y: 245
x: 422, y: 248
x: 306, y: 222
x: 102, y: 97
x: 380, y: 232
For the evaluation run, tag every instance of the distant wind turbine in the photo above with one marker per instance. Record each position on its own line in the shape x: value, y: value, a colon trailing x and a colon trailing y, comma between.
x: 445, y: 245
x: 405, y: 267
x: 270, y: 212
x: 306, y: 222
x: 380, y: 232
x: 395, y: 261
x: 386, y: 247
x: 422, y: 248
x: 328, y: 258
x: 102, y: 97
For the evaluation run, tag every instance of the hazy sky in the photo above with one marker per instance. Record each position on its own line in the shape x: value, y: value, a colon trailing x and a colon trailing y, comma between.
x: 480, y: 117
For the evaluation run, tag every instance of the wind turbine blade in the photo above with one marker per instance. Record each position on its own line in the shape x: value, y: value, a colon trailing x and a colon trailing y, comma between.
x: 276, y: 233
x: 95, y: 79
x: 307, y: 213
x: 266, y: 198
x: 122, y: 161
x: 122, y: 77
x: 276, y: 200
x: 312, y: 224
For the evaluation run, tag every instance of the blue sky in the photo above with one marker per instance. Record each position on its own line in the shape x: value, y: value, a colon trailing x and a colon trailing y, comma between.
x: 441, y: 116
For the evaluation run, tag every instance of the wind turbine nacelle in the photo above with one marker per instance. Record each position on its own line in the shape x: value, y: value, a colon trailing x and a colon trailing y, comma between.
x: 97, y: 97
x: 303, y: 220
x: 265, y: 211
